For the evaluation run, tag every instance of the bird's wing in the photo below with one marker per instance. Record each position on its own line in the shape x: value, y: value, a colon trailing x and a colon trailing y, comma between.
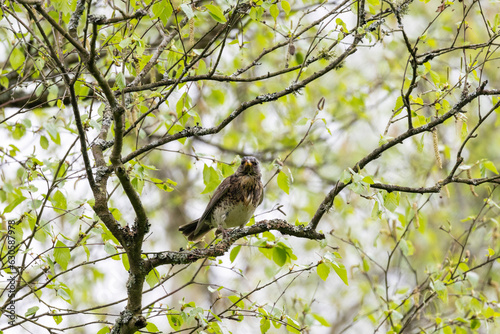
x: 261, y: 191
x: 218, y: 194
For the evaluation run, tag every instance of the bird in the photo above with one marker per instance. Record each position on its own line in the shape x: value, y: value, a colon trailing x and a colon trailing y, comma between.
x: 233, y: 203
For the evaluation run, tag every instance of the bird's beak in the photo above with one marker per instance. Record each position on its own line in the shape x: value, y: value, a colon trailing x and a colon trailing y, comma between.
x: 248, y: 163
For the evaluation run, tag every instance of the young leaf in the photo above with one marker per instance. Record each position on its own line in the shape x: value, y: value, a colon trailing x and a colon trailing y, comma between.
x: 391, y: 201
x: 237, y: 299
x: 286, y: 6
x: 58, y: 319
x: 216, y: 13
x: 175, y: 321
x: 109, y: 248
x: 17, y: 58
x: 44, y: 142
x: 284, y: 182
x: 62, y: 254
x: 321, y: 320
x: 153, y: 278
x: 210, y: 178
x: 31, y: 311
x: 152, y: 328
x: 162, y: 10
x: 265, y: 324
x: 279, y: 256
x: 59, y: 201
x: 234, y: 253
x: 323, y: 271
x: 18, y: 200
x: 293, y: 325
x: 120, y: 80
x: 339, y: 268
x: 489, y: 165
x: 104, y: 330
x: 274, y: 10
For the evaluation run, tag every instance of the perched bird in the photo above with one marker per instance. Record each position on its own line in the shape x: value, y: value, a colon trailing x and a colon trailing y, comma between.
x: 233, y: 202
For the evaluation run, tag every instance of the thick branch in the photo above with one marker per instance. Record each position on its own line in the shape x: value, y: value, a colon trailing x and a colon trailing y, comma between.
x: 192, y: 255
x: 75, y: 18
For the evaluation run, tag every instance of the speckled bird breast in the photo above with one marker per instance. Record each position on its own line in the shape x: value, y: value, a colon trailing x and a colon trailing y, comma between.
x: 237, y: 215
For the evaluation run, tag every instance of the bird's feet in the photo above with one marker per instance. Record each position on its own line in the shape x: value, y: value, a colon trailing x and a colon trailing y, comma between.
x: 223, y: 231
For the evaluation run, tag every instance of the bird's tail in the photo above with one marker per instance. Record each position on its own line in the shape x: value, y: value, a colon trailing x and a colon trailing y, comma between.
x: 189, y: 230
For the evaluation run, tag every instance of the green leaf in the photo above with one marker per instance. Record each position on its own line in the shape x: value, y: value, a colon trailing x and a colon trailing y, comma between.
x: 62, y: 255
x: 109, y: 248
x: 491, y: 252
x: 323, y: 271
x: 345, y: 177
x: 103, y: 330
x: 153, y: 278
x: 489, y: 165
x: 237, y: 299
x: 265, y: 324
x: 53, y: 95
x: 4, y: 81
x: 368, y: 179
x: 286, y: 6
x: 162, y: 10
x: 284, y: 182
x: 202, y: 68
x: 375, y: 211
x: 463, y: 267
x: 256, y: 13
x: 293, y: 325
x: 321, y: 320
x: 53, y: 132
x: 234, y: 253
x: 64, y: 6
x: 17, y: 58
x: 152, y: 328
x: 441, y: 290
x: 391, y: 201
x: 87, y: 252
x: 120, y: 80
x: 58, y: 319
x: 341, y: 271
x: 18, y: 200
x: 64, y: 295
x: 31, y: 311
x: 125, y: 42
x: 274, y: 10
x: 59, y: 201
x: 210, y: 178
x: 164, y: 185
x: 279, y: 256
x: 226, y: 170
x: 475, y: 324
x: 175, y: 321
x: 44, y: 142
x: 125, y: 262
x: 216, y: 13
x: 19, y: 131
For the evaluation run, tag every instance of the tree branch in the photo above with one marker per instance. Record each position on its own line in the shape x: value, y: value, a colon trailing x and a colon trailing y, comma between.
x: 193, y: 255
